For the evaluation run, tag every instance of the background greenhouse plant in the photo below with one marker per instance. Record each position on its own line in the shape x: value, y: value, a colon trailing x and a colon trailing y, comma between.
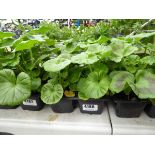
x: 89, y: 60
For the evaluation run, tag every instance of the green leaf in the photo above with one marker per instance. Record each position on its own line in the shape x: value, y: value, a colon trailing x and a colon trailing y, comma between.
x: 120, y: 49
x: 40, y: 30
x: 84, y: 58
x: 150, y: 47
x: 11, y: 61
x: 17, y: 41
x: 26, y: 45
x: 132, y: 63
x: 94, y: 48
x: 39, y: 38
x: 121, y: 80
x: 150, y: 60
x: 95, y: 85
x: 141, y: 35
x: 101, y: 40
x: 51, y: 93
x: 36, y: 83
x: 82, y: 96
x: 4, y: 35
x: 74, y: 74
x: 98, y: 66
x: 80, y: 88
x: 6, y: 43
x: 57, y: 64
x: 19, y: 44
x: 14, y: 91
x: 71, y: 47
x: 145, y: 84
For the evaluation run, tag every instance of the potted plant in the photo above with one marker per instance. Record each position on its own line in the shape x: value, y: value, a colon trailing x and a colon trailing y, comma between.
x: 31, y: 54
x: 127, y: 103
x: 91, y: 90
x: 52, y: 94
x: 14, y: 89
x: 53, y: 91
x: 138, y: 89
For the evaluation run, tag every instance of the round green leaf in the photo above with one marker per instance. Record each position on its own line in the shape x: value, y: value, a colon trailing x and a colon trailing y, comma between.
x: 84, y: 58
x: 74, y: 74
x: 14, y: 90
x: 150, y: 60
x: 26, y: 45
x: 141, y: 35
x: 57, y: 64
x: 51, y: 93
x: 120, y: 49
x: 145, y: 84
x: 120, y: 80
x: 36, y: 83
x: 95, y: 85
x: 100, y: 66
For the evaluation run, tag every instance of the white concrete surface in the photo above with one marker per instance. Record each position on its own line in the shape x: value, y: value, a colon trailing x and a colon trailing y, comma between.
x: 18, y: 121
x: 144, y: 125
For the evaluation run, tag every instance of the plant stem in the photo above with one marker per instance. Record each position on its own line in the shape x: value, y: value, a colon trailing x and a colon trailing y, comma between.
x: 21, y: 68
x: 31, y: 57
x: 149, y: 21
x: 90, y: 68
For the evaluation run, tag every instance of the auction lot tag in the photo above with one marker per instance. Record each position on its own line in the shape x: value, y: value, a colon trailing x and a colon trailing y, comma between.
x: 30, y: 102
x: 90, y: 107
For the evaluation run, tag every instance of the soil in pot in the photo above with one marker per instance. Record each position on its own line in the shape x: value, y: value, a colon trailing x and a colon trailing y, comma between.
x: 8, y: 107
x: 128, y: 106
x: 66, y: 105
x: 150, y: 110
x: 33, y: 103
x: 91, y: 106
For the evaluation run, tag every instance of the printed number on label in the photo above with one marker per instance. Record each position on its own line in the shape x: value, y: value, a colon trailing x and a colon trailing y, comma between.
x: 90, y: 107
x: 30, y: 102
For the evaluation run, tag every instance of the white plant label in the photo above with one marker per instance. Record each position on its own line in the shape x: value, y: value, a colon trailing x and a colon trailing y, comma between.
x: 90, y: 107
x: 30, y: 102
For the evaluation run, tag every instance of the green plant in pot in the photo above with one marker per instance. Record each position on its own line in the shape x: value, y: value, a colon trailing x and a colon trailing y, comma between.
x: 94, y: 81
x: 64, y: 73
x: 14, y: 87
x: 147, y: 55
x: 30, y: 49
x: 145, y: 82
x: 52, y: 92
x: 134, y: 91
x: 91, y: 90
x: 127, y: 103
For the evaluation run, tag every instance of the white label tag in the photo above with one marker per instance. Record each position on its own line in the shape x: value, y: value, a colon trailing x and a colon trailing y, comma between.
x: 90, y: 107
x: 30, y: 102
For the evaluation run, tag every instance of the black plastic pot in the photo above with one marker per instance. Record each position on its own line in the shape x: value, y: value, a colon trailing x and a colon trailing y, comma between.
x: 150, y: 110
x: 128, y: 108
x: 91, y: 106
x: 33, y: 103
x: 8, y: 107
x: 66, y: 105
